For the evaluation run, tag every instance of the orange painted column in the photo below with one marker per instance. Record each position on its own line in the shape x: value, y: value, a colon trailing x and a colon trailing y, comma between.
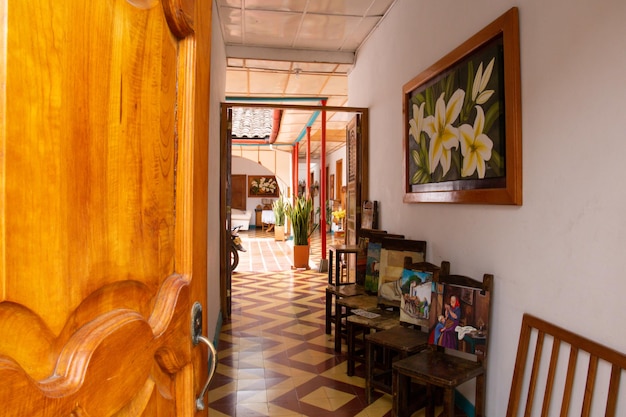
x: 294, y: 161
x: 323, y: 182
x: 308, y: 161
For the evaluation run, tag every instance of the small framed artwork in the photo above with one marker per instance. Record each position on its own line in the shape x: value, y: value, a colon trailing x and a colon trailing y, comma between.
x: 462, y: 122
x: 262, y: 186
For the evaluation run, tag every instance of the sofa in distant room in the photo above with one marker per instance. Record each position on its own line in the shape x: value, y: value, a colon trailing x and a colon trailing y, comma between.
x: 240, y: 218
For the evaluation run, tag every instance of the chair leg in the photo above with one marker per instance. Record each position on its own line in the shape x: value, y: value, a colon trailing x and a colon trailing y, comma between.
x: 480, y: 396
x: 369, y: 370
x: 329, y: 308
x: 448, y: 402
x: 350, y: 343
x: 400, y: 394
x: 429, y: 411
x: 338, y: 329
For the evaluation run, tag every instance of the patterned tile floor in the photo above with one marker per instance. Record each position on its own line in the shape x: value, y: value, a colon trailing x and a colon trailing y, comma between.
x: 274, y: 358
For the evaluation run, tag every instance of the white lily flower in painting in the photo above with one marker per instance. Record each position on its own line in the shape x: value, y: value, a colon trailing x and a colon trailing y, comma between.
x: 475, y: 146
x: 479, y: 94
x: 417, y: 122
x: 443, y: 136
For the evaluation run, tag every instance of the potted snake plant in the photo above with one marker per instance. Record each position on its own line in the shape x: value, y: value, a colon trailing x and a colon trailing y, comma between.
x: 301, y: 216
x: 279, y: 207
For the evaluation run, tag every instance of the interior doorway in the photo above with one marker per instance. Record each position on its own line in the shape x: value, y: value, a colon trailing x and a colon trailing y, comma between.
x: 317, y: 142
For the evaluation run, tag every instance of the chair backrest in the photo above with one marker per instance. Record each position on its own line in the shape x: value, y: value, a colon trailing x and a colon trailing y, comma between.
x: 393, y: 252
x: 374, y: 243
x: 460, y: 313
x: 561, y: 373
x: 416, y: 286
x: 369, y: 215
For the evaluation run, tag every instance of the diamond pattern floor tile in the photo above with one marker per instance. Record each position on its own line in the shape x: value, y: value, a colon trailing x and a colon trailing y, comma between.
x: 274, y: 356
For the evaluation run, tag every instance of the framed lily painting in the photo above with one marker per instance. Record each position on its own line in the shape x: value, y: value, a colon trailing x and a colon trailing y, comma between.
x: 462, y: 122
x: 262, y: 186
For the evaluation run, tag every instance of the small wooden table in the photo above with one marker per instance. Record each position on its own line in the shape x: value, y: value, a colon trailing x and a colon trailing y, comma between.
x: 339, y: 291
x: 436, y: 369
x: 343, y: 307
x: 339, y: 250
x: 402, y: 342
x: 386, y: 320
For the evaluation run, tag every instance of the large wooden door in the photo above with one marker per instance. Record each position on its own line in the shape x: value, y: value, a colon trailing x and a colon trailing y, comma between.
x: 103, y: 203
x: 357, y: 175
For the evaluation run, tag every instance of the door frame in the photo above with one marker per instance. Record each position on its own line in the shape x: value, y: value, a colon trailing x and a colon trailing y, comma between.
x: 225, y: 173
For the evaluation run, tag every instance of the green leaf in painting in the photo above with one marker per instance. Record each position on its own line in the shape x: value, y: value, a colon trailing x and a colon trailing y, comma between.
x: 491, y: 116
x: 430, y: 102
x: 496, y: 163
x: 449, y: 84
x: 421, y: 173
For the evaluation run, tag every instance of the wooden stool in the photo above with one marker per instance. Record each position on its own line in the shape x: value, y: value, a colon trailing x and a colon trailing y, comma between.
x: 434, y: 369
x: 356, y: 323
x: 339, y: 292
x: 343, y: 307
x: 399, y: 342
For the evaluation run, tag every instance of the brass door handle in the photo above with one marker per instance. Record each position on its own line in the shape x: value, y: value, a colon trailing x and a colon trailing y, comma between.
x: 196, y: 337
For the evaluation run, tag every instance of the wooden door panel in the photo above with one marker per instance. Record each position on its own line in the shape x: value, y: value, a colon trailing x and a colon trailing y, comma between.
x: 239, y: 192
x: 97, y: 232
x: 91, y: 375
x: 92, y: 176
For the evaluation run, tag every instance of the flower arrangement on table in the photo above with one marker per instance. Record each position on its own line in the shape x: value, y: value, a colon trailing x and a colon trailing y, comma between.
x: 339, y: 215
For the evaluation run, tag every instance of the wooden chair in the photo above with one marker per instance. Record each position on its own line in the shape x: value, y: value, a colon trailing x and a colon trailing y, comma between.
x: 359, y: 325
x: 341, y: 290
x: 539, y: 364
x: 458, y: 347
x: 391, y: 243
x: 410, y: 337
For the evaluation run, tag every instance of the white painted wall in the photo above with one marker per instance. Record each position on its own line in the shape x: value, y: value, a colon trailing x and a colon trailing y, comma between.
x: 331, y: 161
x: 217, y: 95
x: 245, y: 166
x: 561, y: 255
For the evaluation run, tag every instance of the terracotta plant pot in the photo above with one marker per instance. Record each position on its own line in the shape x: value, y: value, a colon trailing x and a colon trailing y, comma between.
x: 301, y: 256
x: 279, y: 233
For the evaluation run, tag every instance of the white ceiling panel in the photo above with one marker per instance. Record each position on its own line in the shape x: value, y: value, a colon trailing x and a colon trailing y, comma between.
x: 231, y: 3
x: 365, y: 26
x: 297, y: 49
x: 349, y: 7
x: 335, y: 86
x: 231, y: 22
x: 263, y: 28
x: 315, y: 67
x: 268, y: 65
x: 261, y: 82
x: 306, y: 84
x: 277, y: 5
x: 335, y: 29
x: 237, y: 82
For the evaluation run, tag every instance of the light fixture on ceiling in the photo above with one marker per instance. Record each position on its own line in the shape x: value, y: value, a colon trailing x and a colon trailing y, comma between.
x: 297, y: 72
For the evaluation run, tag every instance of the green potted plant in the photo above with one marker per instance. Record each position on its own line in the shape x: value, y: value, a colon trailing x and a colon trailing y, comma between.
x: 279, y: 208
x: 329, y: 216
x: 301, y: 216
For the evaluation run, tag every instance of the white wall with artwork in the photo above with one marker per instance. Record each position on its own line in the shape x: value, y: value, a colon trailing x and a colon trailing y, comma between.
x: 560, y: 255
